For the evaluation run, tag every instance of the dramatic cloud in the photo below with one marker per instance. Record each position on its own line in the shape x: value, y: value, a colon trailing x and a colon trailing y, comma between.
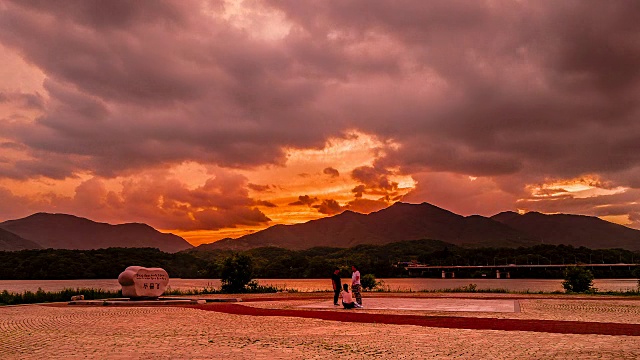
x: 266, y: 204
x: 359, y: 190
x: 331, y: 172
x: 463, y: 194
x: 161, y: 201
x: 305, y: 200
x: 330, y: 207
x: 372, y: 177
x: 259, y: 188
x: 484, y: 104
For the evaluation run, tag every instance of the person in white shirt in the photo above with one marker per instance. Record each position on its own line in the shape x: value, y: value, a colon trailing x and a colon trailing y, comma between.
x: 356, y: 287
x: 347, y: 299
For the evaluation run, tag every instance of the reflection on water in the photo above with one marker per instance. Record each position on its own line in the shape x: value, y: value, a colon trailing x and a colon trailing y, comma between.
x: 306, y: 285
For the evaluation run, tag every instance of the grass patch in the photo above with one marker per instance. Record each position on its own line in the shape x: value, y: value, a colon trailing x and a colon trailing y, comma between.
x: 471, y: 288
x: 250, y: 289
x: 41, y: 296
x: 615, y: 293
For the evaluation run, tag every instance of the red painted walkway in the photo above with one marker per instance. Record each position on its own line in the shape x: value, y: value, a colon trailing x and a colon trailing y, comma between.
x: 452, y: 322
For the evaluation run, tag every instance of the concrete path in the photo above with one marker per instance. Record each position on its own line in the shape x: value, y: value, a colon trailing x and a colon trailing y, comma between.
x: 413, y: 304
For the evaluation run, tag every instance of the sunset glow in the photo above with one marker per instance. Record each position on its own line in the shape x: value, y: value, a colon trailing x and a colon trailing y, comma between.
x: 214, y: 119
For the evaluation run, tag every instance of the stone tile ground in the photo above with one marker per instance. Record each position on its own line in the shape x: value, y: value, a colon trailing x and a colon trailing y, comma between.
x: 66, y: 332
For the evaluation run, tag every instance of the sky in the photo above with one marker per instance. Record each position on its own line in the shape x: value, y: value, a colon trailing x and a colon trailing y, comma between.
x: 214, y: 119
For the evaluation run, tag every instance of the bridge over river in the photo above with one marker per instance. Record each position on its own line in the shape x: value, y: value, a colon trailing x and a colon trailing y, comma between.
x: 503, y: 271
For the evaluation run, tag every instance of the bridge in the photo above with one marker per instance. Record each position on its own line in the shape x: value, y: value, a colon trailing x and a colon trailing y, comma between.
x: 504, y: 270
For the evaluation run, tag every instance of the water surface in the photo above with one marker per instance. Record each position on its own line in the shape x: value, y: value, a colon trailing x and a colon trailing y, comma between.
x: 307, y: 285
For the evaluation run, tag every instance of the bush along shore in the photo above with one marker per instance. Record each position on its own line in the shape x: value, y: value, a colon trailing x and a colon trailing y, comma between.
x: 41, y: 296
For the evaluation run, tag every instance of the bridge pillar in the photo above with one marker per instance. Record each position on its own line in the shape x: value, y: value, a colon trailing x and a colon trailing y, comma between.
x: 497, y: 274
x: 443, y: 274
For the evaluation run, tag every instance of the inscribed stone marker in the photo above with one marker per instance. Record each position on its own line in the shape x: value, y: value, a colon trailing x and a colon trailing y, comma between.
x: 138, y: 281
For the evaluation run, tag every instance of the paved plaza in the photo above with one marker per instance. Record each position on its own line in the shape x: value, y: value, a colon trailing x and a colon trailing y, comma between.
x: 437, y: 304
x: 303, y: 326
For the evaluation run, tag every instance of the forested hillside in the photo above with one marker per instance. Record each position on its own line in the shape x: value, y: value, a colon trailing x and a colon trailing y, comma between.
x: 272, y: 262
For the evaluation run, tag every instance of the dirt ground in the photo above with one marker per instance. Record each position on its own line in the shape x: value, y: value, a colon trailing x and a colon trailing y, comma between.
x: 309, y: 326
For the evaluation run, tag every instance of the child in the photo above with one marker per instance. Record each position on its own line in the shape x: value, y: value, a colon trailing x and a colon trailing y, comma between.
x: 347, y: 299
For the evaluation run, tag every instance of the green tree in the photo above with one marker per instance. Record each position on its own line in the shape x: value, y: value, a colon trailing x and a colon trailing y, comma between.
x: 319, y: 268
x: 577, y: 279
x: 237, y: 272
x: 369, y: 282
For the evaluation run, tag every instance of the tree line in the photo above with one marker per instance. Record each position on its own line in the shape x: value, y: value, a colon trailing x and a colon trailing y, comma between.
x: 319, y: 262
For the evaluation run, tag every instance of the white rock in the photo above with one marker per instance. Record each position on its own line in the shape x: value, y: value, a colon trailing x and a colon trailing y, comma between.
x: 138, y: 281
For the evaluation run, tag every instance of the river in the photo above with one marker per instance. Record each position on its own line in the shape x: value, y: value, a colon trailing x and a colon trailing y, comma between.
x: 308, y: 285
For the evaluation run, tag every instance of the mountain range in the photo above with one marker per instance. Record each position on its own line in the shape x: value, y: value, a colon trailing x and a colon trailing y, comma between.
x: 12, y: 242
x: 577, y: 230
x: 403, y: 221
x: 61, y: 231
x: 398, y: 222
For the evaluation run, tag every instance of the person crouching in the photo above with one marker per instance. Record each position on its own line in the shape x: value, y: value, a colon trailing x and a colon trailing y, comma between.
x: 347, y: 298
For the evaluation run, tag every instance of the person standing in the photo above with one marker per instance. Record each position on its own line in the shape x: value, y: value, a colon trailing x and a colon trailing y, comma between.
x: 356, y: 287
x: 337, y: 285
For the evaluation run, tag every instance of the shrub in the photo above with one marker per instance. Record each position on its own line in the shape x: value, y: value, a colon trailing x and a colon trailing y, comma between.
x: 636, y: 273
x: 577, y: 279
x: 369, y: 282
x: 41, y: 296
x: 237, y: 272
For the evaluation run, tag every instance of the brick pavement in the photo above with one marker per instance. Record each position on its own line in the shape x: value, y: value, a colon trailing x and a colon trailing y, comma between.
x: 66, y: 332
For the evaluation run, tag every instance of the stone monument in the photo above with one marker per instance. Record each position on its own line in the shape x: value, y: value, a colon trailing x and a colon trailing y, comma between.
x: 141, y: 282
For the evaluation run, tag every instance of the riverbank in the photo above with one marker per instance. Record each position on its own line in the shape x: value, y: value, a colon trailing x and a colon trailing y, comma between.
x: 40, y: 296
x: 313, y: 285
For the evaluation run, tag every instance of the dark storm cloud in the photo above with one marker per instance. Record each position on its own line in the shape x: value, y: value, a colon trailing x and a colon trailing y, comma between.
x: 515, y: 91
x: 331, y: 172
x: 365, y: 206
x: 329, y: 207
x: 525, y: 88
x: 157, y: 84
x: 165, y: 202
x: 265, y: 203
x: 259, y: 188
x: 358, y: 190
x: 305, y: 200
x: 21, y: 100
x: 374, y: 178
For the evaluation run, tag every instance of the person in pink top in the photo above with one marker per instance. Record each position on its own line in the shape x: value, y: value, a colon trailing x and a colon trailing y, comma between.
x: 347, y: 299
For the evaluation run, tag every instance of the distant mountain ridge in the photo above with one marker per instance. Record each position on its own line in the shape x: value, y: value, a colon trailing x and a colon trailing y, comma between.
x: 12, y: 242
x: 62, y: 231
x: 398, y: 222
x: 577, y: 230
x: 403, y: 221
